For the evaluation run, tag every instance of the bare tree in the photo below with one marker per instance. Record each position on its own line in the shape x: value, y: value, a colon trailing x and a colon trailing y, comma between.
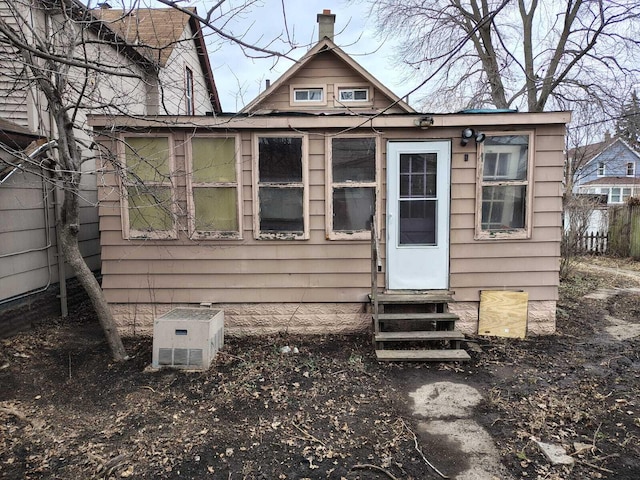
x: 530, y: 55
x: 74, y: 61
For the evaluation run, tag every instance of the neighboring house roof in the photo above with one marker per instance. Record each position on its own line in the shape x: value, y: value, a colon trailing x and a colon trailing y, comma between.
x: 14, y: 135
x: 322, y: 46
x: 613, y: 181
x: 596, y: 150
x: 154, y: 32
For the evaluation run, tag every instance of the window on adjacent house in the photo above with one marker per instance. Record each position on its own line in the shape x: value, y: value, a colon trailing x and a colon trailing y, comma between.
x: 601, y: 169
x: 503, y: 192
x: 281, y: 187
x: 619, y: 194
x: 353, y: 94
x: 189, y: 95
x: 352, y: 186
x: 148, y: 195
x: 631, y: 170
x: 214, y: 193
x: 308, y: 94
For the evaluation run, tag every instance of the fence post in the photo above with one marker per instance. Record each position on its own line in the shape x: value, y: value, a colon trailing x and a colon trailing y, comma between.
x: 634, y: 231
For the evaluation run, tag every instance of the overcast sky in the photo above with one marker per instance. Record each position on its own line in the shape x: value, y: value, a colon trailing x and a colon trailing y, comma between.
x: 239, y: 79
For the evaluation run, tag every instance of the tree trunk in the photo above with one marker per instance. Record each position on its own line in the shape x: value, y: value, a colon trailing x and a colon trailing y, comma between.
x: 69, y: 236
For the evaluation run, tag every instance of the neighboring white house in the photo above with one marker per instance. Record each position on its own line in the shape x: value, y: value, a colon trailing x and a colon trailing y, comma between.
x: 166, y: 68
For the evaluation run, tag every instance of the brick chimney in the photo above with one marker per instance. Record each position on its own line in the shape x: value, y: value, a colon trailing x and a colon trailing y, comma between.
x: 326, y: 21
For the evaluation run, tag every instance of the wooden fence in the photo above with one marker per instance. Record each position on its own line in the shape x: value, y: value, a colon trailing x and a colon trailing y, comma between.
x: 594, y: 242
x: 624, y: 231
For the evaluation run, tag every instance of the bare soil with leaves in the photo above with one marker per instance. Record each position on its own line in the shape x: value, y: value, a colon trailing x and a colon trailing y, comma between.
x: 329, y: 411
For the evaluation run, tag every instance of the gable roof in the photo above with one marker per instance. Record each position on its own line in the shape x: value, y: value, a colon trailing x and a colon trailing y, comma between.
x: 616, y: 141
x: 327, y: 45
x: 154, y: 32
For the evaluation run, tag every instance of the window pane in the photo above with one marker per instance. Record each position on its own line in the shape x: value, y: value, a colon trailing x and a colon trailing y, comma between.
x: 281, y: 210
x: 315, y: 95
x: 150, y: 209
x: 506, y: 157
x: 352, y: 209
x: 280, y: 159
x: 418, y: 175
x: 503, y: 207
x: 213, y: 159
x: 360, y: 94
x: 346, y: 95
x: 418, y: 222
x: 147, y: 158
x: 354, y: 159
x: 215, y: 209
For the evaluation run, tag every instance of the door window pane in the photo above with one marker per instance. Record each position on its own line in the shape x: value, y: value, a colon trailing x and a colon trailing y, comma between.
x: 418, y: 177
x: 418, y: 222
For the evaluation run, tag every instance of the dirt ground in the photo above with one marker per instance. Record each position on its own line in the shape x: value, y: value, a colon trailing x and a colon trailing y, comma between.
x: 329, y: 411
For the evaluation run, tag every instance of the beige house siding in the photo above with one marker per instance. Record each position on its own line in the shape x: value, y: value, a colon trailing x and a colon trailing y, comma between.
x: 262, y: 281
x: 325, y: 71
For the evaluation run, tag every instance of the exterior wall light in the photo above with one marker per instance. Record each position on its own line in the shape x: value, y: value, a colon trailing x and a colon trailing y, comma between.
x: 468, y: 134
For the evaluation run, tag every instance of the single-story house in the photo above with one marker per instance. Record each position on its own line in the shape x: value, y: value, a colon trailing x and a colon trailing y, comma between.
x: 267, y: 212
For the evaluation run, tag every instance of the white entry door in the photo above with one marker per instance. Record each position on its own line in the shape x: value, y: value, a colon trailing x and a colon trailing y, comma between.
x: 418, y: 188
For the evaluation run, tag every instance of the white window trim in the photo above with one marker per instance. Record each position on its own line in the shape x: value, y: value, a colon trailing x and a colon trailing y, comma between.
x: 604, y: 169
x: 633, y: 169
x: 189, y: 86
x: 329, y: 184
x: 516, y: 234
x: 127, y: 232
x: 294, y: 102
x: 258, y: 235
x: 214, y: 234
x: 352, y: 103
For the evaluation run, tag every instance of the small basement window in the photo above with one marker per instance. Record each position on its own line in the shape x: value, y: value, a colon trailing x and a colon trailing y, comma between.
x: 504, y: 189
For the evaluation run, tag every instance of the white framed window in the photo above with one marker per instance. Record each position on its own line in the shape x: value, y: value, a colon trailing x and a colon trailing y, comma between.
x: 352, y: 185
x: 189, y: 92
x: 345, y: 95
x: 353, y: 94
x: 148, y: 197
x: 281, y: 195
x: 504, y: 186
x: 619, y: 194
x: 602, y: 170
x: 213, y: 187
x: 309, y: 95
x: 631, y: 169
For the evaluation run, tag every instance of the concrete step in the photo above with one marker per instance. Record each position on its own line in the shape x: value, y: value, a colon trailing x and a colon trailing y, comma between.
x: 419, y: 336
x: 422, y: 356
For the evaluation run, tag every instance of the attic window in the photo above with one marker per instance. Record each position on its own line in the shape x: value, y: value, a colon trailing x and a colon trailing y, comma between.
x: 308, y: 95
x: 353, y: 94
x: 631, y: 171
x: 601, y: 169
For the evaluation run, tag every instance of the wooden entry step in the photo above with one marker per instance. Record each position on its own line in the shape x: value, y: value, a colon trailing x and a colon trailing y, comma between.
x: 413, y: 298
x: 422, y: 355
x: 429, y: 335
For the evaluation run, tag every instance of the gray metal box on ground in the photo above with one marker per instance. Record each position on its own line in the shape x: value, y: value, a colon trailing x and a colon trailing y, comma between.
x: 187, y: 338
